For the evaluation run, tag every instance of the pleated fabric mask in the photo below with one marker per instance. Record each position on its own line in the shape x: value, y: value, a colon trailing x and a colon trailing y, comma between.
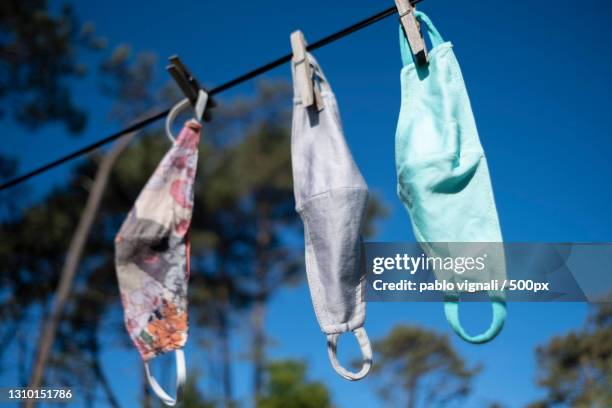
x: 443, y: 176
x: 331, y: 198
x: 152, y: 257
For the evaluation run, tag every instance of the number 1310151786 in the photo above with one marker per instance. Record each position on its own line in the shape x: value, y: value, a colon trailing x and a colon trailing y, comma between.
x: 8, y: 394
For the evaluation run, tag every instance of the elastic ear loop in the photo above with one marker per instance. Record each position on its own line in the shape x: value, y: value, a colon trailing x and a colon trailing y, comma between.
x: 366, y: 352
x: 451, y: 310
x: 434, y: 36
x: 180, y: 380
x: 180, y: 107
x: 174, y: 112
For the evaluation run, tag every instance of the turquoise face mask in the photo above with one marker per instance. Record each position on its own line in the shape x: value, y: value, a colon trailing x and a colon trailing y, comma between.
x: 443, y: 177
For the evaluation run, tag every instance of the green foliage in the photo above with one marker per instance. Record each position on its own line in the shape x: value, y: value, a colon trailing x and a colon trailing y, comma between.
x: 127, y: 80
x: 422, y: 365
x: 38, y: 58
x: 287, y: 386
x: 576, y: 368
x: 31, y: 258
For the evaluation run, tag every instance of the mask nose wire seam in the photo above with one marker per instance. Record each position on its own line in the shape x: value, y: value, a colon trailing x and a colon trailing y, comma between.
x: 366, y: 352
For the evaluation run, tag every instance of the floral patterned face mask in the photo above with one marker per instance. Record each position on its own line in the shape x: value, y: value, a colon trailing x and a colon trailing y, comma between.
x: 152, y: 257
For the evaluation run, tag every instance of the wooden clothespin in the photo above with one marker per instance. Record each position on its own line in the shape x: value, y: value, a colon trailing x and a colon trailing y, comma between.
x: 412, y: 28
x: 309, y: 92
x: 191, y: 88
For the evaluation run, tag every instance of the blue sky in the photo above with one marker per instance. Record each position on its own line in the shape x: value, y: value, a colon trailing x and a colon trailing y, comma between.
x: 539, y: 76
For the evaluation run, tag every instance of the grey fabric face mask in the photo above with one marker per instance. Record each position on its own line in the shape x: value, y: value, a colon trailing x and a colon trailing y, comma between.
x: 331, y: 198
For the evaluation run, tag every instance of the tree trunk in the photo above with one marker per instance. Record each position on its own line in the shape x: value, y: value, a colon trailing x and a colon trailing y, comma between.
x: 73, y: 257
x: 259, y: 340
x: 226, y: 354
x: 412, y: 394
x: 22, y: 345
x: 259, y: 310
x: 223, y: 322
x: 101, y: 377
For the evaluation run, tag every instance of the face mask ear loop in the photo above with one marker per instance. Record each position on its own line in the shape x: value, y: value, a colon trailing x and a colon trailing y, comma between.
x: 366, y: 352
x: 451, y: 310
x: 174, y: 112
x: 200, y: 106
x: 180, y: 380
x: 434, y: 36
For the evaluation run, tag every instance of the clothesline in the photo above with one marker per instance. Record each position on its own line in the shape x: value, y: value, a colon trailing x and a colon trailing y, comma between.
x: 230, y: 84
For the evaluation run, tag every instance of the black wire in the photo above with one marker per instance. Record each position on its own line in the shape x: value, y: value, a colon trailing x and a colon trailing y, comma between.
x: 316, y: 45
x: 230, y: 84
